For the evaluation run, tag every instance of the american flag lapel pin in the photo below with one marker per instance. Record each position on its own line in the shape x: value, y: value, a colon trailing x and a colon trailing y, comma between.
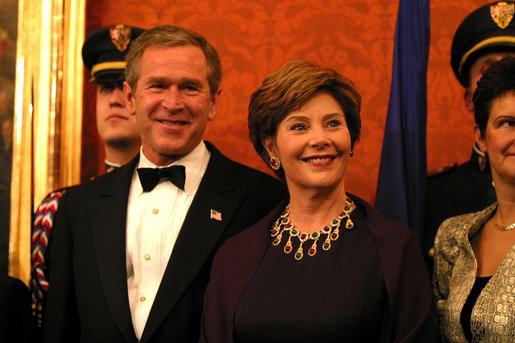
x: 216, y: 215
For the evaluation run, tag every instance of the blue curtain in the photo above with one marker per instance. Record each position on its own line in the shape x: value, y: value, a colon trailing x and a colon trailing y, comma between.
x: 402, y: 174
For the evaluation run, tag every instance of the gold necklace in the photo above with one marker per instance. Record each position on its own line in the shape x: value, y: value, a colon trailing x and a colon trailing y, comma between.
x: 502, y: 227
x: 283, y: 224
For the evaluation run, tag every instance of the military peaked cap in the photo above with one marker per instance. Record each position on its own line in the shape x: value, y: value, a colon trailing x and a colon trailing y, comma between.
x: 490, y: 28
x: 104, y: 52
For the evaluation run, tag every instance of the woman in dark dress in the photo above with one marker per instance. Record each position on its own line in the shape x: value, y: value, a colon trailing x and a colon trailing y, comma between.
x: 323, y: 266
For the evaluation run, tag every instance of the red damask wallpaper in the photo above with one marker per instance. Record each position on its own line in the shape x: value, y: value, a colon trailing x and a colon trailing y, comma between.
x: 255, y: 37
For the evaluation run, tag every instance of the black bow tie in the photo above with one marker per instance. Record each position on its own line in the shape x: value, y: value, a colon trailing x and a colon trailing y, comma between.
x: 150, y: 177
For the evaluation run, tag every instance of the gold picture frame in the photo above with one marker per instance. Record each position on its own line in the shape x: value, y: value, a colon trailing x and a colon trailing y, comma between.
x: 47, y: 114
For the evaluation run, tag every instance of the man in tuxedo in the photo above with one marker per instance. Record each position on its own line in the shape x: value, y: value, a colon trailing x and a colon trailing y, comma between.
x: 103, y: 53
x: 133, y: 249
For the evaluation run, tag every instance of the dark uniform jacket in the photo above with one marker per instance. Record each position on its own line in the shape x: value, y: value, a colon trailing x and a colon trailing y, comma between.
x: 15, y: 320
x: 43, y: 224
x: 454, y: 191
x: 88, y: 296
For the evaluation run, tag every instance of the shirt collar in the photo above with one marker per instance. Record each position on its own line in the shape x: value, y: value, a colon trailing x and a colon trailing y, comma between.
x: 195, y: 163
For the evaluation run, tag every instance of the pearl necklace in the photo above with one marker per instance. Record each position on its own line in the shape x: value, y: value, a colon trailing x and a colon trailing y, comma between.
x: 283, y: 225
x: 503, y: 227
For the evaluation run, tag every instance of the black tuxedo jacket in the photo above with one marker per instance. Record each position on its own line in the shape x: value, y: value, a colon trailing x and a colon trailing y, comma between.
x: 88, y: 296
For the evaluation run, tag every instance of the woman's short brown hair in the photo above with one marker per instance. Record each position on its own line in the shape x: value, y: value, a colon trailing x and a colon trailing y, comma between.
x: 290, y: 87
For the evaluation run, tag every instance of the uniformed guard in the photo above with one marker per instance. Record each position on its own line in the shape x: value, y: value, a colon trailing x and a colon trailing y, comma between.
x: 485, y: 36
x: 103, y: 54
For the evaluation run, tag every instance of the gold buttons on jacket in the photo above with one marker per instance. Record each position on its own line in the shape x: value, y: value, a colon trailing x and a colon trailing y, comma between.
x: 147, y: 257
x: 142, y: 299
x: 155, y: 211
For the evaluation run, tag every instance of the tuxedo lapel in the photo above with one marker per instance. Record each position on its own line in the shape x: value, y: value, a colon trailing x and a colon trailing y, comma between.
x: 198, y: 237
x: 109, y: 205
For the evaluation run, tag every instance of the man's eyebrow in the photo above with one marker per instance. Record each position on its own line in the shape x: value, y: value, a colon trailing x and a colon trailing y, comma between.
x: 153, y: 79
x: 183, y: 80
x: 189, y: 80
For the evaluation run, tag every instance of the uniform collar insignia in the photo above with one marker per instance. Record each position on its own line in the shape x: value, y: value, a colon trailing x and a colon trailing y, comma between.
x: 502, y: 13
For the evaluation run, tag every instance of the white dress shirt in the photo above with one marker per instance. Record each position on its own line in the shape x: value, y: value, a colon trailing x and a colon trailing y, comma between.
x: 154, y: 220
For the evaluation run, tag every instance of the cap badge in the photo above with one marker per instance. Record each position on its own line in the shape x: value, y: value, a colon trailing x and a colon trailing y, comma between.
x: 120, y: 36
x: 502, y: 13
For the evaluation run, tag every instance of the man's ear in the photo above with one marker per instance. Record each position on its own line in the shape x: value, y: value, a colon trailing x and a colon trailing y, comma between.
x: 467, y: 97
x: 214, y: 103
x: 129, y: 97
x: 480, y: 142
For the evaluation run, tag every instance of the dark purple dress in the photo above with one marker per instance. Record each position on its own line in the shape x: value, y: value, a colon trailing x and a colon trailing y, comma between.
x: 334, y: 296
x: 373, y: 282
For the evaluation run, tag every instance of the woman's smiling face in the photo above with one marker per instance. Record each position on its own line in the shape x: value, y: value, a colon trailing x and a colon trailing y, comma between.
x: 499, y: 139
x: 313, y: 144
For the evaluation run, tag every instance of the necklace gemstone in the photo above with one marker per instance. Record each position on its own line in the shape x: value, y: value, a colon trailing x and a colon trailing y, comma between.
x: 283, y: 225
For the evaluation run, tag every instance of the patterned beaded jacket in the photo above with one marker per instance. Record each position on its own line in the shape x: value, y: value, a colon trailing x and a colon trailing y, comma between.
x: 493, y: 315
